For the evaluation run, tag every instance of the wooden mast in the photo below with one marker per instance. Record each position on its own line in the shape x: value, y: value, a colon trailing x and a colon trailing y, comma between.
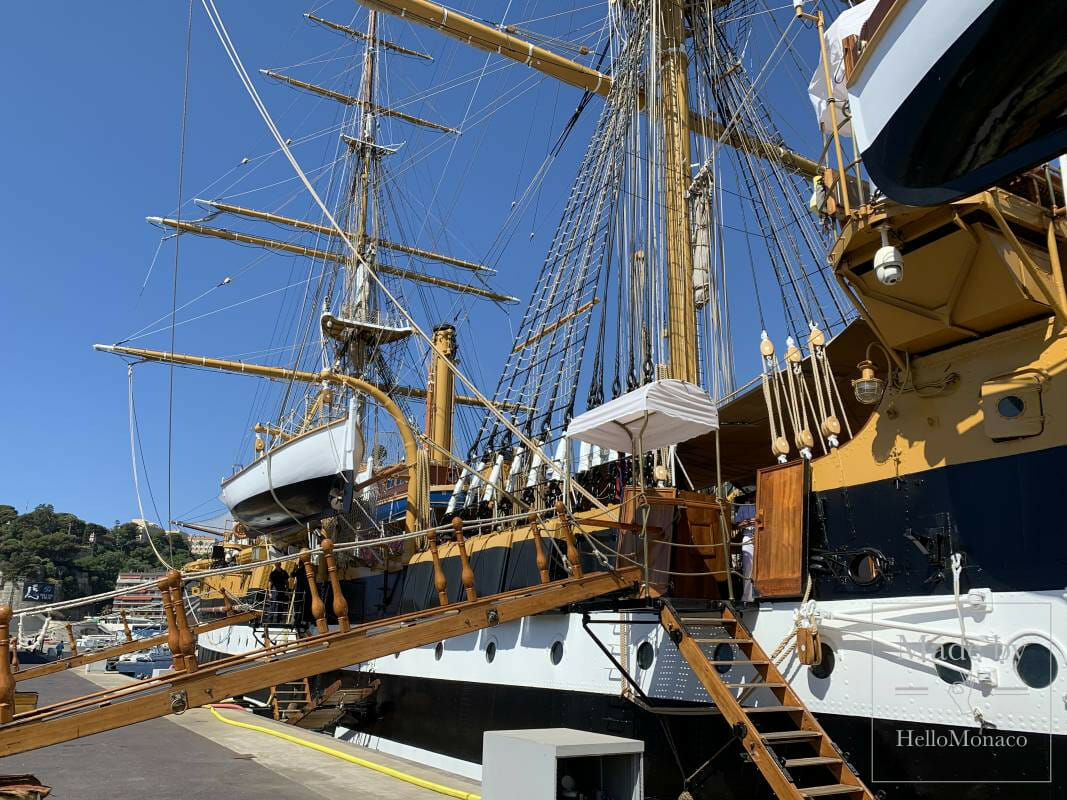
x: 674, y: 108
x: 441, y: 393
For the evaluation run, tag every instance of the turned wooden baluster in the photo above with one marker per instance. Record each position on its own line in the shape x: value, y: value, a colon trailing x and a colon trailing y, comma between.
x: 7, y: 680
x: 15, y: 666
x: 125, y: 625
x: 318, y: 608
x: 539, y: 550
x: 467, y: 573
x: 340, y: 605
x: 439, y: 581
x: 227, y: 604
x: 174, y: 641
x: 72, y: 640
x: 573, y: 556
x: 186, y: 637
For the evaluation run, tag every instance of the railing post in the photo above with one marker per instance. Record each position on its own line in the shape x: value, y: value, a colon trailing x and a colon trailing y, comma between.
x: 72, y: 640
x: 7, y: 680
x: 318, y: 608
x: 539, y: 550
x: 340, y: 605
x: 15, y: 666
x: 186, y: 637
x: 467, y: 573
x: 174, y: 641
x: 125, y: 625
x: 227, y: 604
x: 439, y: 581
x: 573, y: 556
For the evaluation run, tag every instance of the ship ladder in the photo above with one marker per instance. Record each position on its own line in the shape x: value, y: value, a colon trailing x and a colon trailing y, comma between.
x: 782, y: 738
x: 289, y: 700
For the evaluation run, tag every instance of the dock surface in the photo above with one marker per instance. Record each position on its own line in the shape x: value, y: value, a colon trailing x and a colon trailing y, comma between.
x: 196, y: 755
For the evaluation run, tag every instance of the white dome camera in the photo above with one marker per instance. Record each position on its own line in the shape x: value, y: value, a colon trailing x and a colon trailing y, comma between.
x: 888, y: 261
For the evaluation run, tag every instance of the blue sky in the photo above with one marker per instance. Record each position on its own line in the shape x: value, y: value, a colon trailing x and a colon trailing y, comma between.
x: 92, y: 116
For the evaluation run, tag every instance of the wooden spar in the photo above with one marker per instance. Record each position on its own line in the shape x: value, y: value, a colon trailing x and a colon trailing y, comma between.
x: 311, y: 252
x: 547, y: 329
x: 484, y: 37
x: 278, y: 373
x: 364, y: 37
x: 326, y: 230
x: 349, y: 100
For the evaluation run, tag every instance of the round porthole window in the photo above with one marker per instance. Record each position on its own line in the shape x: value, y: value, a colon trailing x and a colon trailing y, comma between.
x: 955, y: 654
x: 439, y: 651
x: 865, y: 569
x: 556, y: 653
x: 724, y: 652
x: 490, y: 652
x: 645, y: 655
x: 1011, y: 406
x: 1036, y: 665
x: 826, y: 664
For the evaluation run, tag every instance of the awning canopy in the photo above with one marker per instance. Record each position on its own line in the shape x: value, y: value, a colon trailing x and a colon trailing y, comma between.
x: 675, y: 411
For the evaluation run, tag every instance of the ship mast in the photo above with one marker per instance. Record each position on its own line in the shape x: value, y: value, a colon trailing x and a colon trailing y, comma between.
x: 674, y: 107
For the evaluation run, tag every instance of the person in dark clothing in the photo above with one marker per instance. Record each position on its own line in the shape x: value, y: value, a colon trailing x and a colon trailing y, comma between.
x: 279, y: 589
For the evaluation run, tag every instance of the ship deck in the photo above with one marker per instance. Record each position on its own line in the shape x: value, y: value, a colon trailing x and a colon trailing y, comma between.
x: 196, y: 755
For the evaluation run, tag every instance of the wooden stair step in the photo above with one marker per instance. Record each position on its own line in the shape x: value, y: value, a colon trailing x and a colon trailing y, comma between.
x: 756, y: 685
x: 732, y: 640
x: 830, y: 789
x: 770, y: 709
x: 790, y: 736
x: 742, y: 661
x: 811, y: 761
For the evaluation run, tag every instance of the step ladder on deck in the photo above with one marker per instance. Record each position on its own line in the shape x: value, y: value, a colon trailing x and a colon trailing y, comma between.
x: 781, y: 737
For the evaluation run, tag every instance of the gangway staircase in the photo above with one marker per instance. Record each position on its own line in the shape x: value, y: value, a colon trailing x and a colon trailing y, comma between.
x: 192, y: 685
x: 782, y: 738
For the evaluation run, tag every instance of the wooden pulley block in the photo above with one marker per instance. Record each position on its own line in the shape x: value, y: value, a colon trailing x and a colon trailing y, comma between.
x: 809, y: 647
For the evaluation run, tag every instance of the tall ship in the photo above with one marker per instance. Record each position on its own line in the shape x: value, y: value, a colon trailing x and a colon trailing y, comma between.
x: 812, y: 397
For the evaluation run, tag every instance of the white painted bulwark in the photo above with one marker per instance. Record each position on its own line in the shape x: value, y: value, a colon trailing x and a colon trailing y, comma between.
x: 531, y: 764
x: 658, y: 414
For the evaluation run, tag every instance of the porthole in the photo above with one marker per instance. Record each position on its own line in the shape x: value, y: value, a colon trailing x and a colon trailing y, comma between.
x: 555, y: 655
x: 645, y: 655
x: 490, y: 652
x: 826, y: 664
x: 955, y: 654
x: 724, y: 652
x: 439, y: 651
x: 865, y: 569
x: 1011, y: 406
x: 1036, y: 665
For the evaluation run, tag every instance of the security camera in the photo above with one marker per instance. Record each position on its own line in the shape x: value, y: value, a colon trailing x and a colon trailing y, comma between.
x: 888, y: 261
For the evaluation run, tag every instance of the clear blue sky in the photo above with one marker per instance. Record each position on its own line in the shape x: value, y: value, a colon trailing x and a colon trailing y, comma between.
x: 92, y: 110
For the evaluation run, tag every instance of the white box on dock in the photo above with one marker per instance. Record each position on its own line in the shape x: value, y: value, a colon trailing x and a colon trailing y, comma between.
x: 531, y: 764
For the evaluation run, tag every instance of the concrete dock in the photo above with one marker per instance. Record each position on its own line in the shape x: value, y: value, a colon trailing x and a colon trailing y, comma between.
x: 195, y: 755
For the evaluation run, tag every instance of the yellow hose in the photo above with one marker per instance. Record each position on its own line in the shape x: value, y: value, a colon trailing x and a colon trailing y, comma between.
x: 392, y: 773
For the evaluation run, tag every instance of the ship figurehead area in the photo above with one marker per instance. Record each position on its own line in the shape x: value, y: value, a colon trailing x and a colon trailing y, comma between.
x: 839, y: 578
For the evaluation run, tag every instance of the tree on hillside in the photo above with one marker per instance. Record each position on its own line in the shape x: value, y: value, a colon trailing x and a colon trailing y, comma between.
x: 82, y: 557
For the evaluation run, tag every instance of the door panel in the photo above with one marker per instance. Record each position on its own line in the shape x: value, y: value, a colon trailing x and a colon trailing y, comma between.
x: 780, y: 558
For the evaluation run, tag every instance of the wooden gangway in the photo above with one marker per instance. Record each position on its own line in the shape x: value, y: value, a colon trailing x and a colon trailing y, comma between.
x: 192, y: 685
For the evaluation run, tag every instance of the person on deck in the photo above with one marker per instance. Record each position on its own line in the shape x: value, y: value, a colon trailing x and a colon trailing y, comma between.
x: 745, y: 531
x: 279, y: 589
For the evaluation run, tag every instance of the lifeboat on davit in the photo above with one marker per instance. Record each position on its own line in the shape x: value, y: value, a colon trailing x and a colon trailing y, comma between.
x: 949, y: 97
x: 299, y: 480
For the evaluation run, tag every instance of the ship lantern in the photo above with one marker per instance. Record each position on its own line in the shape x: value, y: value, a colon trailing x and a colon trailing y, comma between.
x: 868, y: 387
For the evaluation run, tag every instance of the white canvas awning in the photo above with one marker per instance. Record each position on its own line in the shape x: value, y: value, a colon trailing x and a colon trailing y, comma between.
x: 661, y: 413
x: 848, y: 23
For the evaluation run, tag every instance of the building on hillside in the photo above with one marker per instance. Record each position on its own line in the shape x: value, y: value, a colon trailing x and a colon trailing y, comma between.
x: 139, y: 601
x: 200, y: 544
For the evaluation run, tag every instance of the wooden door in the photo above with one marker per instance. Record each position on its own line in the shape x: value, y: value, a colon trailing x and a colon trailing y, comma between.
x: 780, y: 558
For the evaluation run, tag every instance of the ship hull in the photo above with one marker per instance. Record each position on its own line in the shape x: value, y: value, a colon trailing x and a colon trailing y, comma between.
x: 905, y: 728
